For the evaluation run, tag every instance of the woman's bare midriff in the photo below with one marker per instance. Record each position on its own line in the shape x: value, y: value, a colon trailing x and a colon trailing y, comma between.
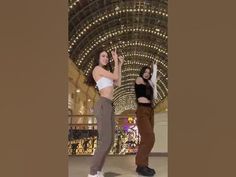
x: 107, y: 92
x: 143, y: 100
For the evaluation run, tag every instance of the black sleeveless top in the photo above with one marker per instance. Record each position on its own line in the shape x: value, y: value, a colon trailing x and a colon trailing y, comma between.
x: 142, y: 90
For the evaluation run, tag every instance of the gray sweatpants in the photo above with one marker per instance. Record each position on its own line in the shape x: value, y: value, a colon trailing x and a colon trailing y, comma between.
x: 104, y: 113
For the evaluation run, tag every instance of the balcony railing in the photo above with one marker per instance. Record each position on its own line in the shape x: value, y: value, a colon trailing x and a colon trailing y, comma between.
x: 83, y: 135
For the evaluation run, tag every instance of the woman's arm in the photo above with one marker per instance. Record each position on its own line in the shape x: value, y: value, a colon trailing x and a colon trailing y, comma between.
x: 154, y: 73
x: 116, y: 69
x: 154, y: 80
x: 118, y: 82
x: 102, y: 72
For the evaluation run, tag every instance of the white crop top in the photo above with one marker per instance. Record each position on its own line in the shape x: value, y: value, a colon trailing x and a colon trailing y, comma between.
x: 104, y: 82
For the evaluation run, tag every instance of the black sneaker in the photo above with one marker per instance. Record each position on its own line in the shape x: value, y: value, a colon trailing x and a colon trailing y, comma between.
x: 144, y: 171
x: 152, y: 170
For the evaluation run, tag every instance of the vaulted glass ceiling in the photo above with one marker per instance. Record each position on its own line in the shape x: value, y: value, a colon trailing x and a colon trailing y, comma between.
x: 137, y: 28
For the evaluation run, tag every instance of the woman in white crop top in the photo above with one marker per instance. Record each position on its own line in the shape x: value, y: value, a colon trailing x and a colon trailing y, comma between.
x: 105, y: 81
x: 102, y: 77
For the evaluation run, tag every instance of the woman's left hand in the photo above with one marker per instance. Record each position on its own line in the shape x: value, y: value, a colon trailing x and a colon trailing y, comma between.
x: 121, y: 59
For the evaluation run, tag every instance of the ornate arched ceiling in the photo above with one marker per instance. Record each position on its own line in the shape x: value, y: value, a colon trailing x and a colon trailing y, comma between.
x: 137, y: 28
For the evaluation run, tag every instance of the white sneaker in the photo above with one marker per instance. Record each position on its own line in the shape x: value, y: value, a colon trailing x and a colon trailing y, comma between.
x: 93, y: 175
x: 100, y: 174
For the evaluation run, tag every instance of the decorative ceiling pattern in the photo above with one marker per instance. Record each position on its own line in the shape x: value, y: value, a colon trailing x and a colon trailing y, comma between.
x: 137, y: 28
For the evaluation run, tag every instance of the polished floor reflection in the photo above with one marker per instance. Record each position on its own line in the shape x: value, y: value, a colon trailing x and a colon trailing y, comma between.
x: 116, y: 166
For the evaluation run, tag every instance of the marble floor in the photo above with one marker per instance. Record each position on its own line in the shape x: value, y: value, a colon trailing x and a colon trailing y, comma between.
x: 116, y: 166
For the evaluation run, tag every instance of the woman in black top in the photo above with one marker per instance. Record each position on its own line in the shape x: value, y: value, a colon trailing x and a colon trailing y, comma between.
x: 145, y: 90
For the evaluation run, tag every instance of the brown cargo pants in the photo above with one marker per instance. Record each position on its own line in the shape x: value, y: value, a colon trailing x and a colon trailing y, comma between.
x: 145, y: 124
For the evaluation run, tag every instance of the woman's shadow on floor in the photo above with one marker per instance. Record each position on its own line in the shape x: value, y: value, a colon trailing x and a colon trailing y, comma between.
x: 111, y: 174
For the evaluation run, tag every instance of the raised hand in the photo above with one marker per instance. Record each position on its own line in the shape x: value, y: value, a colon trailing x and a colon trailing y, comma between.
x: 114, y: 55
x: 121, y: 59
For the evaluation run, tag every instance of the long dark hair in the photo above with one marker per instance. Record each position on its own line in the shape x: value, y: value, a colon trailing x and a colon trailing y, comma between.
x: 90, y: 80
x: 142, y: 71
x: 148, y: 87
